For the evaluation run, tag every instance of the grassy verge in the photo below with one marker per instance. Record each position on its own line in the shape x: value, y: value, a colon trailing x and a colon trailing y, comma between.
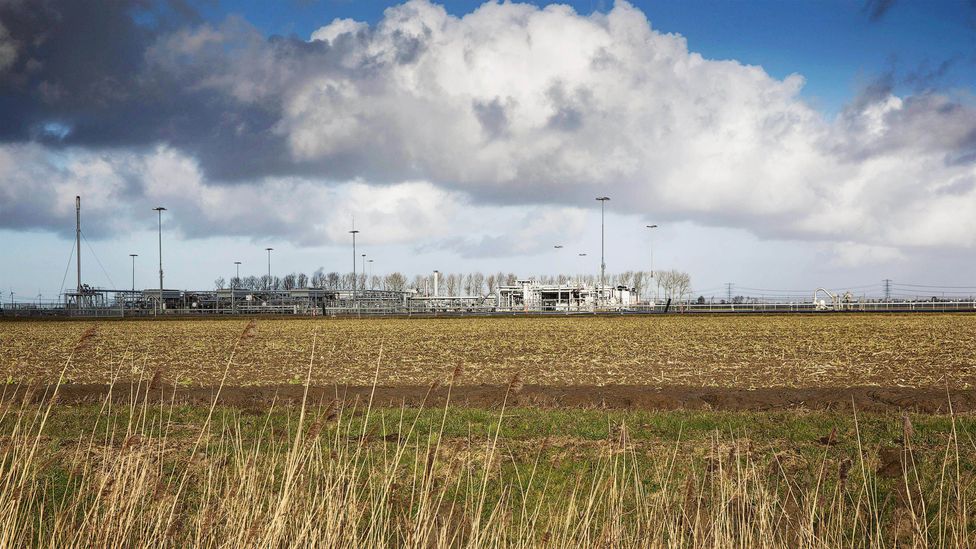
x: 179, y: 475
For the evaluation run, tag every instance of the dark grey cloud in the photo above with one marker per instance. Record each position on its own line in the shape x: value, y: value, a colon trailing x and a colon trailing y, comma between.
x: 876, y: 9
x: 87, y: 68
x: 507, y: 118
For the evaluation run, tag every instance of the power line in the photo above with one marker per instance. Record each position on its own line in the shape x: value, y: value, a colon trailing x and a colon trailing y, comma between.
x: 97, y: 260
x: 66, y: 267
x: 935, y: 287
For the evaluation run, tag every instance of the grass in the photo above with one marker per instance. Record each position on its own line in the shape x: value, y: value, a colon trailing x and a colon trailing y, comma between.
x: 352, y: 475
x: 133, y: 475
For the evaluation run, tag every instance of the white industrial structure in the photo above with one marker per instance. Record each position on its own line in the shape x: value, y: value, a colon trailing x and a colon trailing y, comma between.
x: 528, y: 295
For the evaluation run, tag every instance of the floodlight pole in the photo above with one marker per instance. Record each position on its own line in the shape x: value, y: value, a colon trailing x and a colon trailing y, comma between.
x: 651, y: 227
x: 233, y: 287
x: 159, y: 210
x: 355, y: 281
x: 269, y: 250
x: 579, y: 279
x: 603, y: 264
x: 133, y: 256
x: 559, y: 290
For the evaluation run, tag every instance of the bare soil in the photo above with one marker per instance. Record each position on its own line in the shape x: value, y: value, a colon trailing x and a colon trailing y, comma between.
x: 633, y: 397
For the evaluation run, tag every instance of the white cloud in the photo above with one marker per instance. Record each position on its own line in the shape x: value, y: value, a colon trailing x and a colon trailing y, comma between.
x: 425, y: 119
x: 853, y: 254
x: 337, y: 28
x: 302, y: 211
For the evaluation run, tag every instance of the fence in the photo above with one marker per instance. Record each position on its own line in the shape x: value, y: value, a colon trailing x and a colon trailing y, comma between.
x: 429, y: 308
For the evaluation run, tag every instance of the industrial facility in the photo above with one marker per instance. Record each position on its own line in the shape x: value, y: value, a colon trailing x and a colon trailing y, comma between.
x: 509, y: 296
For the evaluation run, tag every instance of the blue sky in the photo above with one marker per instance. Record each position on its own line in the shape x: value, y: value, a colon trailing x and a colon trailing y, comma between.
x: 836, y: 45
x: 254, y: 135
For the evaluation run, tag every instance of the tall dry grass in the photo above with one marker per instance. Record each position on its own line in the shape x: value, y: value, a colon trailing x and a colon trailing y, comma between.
x: 331, y: 481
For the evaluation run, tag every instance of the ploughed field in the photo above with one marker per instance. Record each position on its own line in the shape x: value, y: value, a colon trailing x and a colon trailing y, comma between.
x: 742, y: 352
x: 665, y: 431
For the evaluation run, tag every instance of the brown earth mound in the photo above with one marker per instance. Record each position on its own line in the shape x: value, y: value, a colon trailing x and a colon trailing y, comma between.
x: 867, y: 399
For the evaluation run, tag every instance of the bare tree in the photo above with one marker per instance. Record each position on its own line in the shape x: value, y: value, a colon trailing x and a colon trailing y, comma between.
x: 511, y: 279
x: 253, y: 283
x: 288, y: 283
x: 219, y: 283
x: 451, y: 283
x: 302, y: 281
x: 395, y: 282
x: 375, y: 281
x: 491, y: 283
x: 477, y: 283
x: 638, y: 282
x: 334, y: 280
x: 318, y: 278
x: 676, y: 284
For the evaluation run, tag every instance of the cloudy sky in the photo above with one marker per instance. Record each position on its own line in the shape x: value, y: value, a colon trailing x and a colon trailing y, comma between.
x: 779, y: 145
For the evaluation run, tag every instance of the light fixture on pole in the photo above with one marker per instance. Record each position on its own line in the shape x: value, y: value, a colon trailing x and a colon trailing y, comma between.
x: 651, y: 227
x: 354, y: 280
x: 559, y: 290
x: 269, y: 250
x: 133, y: 256
x: 233, y: 286
x: 603, y: 265
x: 159, y: 210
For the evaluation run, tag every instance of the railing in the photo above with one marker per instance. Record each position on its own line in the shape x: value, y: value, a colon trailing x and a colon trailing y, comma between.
x: 428, y: 308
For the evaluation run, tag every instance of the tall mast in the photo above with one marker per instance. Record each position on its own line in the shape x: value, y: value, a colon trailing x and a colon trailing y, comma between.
x: 78, y: 240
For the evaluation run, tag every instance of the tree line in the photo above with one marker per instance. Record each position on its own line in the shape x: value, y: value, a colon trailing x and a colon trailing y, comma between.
x: 672, y: 284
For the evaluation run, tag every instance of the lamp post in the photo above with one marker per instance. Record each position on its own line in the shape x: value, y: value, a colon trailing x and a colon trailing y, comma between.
x: 559, y: 290
x: 354, y: 280
x: 651, y: 228
x: 269, y: 250
x: 233, y: 287
x: 133, y: 256
x: 579, y: 278
x: 159, y: 210
x: 365, y: 280
x: 603, y: 265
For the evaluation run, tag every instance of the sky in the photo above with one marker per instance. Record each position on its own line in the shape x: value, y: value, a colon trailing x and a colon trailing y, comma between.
x: 778, y: 146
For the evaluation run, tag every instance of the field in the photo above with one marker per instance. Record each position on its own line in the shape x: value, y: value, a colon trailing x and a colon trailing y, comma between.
x: 738, y: 352
x: 775, y: 431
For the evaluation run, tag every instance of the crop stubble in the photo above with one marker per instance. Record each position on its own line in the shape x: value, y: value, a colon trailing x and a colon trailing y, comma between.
x: 713, y: 351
